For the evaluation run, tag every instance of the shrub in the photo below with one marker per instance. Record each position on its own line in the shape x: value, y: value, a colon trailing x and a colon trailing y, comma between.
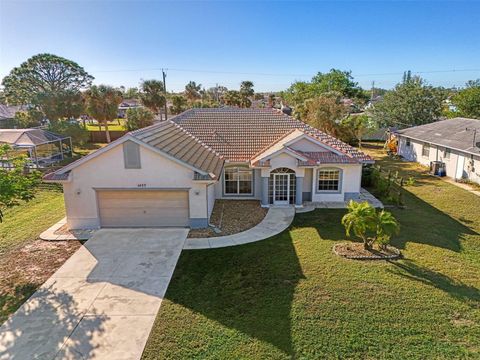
x: 77, y: 132
x: 138, y: 118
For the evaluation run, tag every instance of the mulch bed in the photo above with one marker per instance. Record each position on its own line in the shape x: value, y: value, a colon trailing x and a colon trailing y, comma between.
x: 231, y: 217
x: 24, y: 269
x: 356, y: 251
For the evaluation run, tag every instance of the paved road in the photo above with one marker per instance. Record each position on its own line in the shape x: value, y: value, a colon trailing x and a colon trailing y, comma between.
x: 101, y: 303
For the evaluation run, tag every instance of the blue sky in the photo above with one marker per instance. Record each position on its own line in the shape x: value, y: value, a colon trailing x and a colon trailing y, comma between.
x: 270, y: 43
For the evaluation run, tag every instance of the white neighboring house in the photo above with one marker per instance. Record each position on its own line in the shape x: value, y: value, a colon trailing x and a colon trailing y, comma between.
x: 456, y: 142
x: 169, y: 174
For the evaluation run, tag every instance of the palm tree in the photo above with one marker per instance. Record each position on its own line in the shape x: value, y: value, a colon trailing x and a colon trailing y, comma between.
x: 359, y: 218
x: 153, y: 95
x: 369, y: 225
x: 102, y: 104
x: 192, y: 91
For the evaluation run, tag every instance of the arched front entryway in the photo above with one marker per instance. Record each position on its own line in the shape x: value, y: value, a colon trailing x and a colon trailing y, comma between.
x: 282, y: 186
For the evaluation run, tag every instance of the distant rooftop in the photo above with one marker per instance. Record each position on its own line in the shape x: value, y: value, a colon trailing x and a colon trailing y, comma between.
x: 28, y: 137
x: 450, y: 133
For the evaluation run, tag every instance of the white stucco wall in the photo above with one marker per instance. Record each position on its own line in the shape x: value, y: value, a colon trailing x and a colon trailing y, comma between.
x: 455, y: 166
x: 351, y: 182
x: 107, y: 171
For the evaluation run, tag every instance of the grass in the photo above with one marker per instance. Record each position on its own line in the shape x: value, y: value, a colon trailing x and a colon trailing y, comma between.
x: 25, y: 222
x: 116, y: 125
x: 291, y: 297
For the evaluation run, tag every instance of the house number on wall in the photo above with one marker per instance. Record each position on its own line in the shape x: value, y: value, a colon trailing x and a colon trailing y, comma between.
x: 142, y: 185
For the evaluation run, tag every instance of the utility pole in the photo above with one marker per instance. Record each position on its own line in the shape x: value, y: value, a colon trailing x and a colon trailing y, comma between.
x: 165, y: 89
x: 373, y: 90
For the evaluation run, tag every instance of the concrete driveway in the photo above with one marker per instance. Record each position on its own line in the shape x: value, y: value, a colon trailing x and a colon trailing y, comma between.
x: 101, y: 303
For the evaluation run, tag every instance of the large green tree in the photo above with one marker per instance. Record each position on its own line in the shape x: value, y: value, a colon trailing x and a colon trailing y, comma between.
x: 102, y: 104
x: 246, y: 93
x: 232, y: 98
x: 467, y: 100
x: 335, y: 80
x: 16, y: 183
x: 48, y: 82
x: 153, y: 95
x: 411, y: 102
x: 326, y: 113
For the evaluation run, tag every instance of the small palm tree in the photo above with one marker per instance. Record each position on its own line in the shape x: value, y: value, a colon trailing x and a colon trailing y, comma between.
x: 369, y: 225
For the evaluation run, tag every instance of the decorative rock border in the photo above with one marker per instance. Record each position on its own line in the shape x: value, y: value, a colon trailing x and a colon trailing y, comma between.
x: 397, y: 254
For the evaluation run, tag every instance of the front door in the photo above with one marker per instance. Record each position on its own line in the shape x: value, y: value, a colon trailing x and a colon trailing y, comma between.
x: 281, y: 189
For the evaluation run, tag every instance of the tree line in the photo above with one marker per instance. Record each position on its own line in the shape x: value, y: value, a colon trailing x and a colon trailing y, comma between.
x: 54, y: 88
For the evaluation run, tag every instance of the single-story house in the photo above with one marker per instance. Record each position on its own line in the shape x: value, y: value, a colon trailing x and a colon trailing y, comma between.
x: 7, y: 114
x: 42, y: 147
x: 170, y: 173
x: 455, y: 142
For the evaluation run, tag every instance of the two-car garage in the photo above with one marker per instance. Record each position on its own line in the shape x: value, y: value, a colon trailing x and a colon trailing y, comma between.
x: 143, y: 208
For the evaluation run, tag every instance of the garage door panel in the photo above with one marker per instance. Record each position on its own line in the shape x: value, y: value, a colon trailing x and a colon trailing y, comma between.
x: 143, y: 208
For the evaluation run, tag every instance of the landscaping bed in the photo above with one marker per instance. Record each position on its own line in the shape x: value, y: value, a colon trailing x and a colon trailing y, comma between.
x: 231, y: 217
x: 358, y: 252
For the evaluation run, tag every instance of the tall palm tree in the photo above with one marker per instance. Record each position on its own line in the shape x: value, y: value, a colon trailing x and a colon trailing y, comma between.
x: 102, y: 104
x: 192, y: 91
x: 153, y: 95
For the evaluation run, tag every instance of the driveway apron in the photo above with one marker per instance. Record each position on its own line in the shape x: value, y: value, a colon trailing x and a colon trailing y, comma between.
x: 101, y: 303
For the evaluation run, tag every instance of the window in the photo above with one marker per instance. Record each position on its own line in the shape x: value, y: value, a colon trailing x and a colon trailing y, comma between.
x: 238, y: 181
x: 426, y: 150
x: 408, y: 142
x: 328, y: 180
x: 131, y: 155
x: 447, y: 153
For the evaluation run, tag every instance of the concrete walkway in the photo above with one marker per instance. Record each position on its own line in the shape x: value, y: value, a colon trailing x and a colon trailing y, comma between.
x: 101, y: 303
x: 276, y: 220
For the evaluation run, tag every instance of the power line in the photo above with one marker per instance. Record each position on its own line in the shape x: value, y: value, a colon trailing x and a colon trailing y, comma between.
x: 280, y: 74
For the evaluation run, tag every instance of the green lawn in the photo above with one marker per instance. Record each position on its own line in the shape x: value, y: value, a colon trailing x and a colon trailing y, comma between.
x: 291, y: 297
x: 116, y: 125
x: 25, y: 222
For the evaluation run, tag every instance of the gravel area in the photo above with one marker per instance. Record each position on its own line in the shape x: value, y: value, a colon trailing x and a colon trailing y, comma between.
x: 231, y: 217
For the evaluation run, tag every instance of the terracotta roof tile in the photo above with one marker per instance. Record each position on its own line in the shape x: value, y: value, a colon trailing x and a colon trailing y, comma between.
x: 240, y: 134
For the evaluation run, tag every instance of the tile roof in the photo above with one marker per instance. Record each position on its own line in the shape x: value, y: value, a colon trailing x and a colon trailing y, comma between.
x: 170, y: 138
x: 240, y: 134
x: 316, y: 158
x: 450, y: 133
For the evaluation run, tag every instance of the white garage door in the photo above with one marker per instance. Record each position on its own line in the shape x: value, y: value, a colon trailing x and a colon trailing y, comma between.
x: 143, y: 208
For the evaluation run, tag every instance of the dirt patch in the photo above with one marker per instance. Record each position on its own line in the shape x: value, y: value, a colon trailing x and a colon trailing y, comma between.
x: 357, y: 251
x: 231, y: 217
x: 24, y: 269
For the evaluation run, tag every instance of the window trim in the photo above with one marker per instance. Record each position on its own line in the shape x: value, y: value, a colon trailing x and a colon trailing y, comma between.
x: 340, y: 181
x: 426, y: 146
x: 238, y: 194
x: 408, y: 143
x: 447, y: 153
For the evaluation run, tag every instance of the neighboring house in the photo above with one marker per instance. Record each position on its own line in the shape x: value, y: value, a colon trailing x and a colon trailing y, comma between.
x: 455, y: 142
x: 128, y: 104
x: 170, y: 174
x: 7, y: 114
x: 42, y: 147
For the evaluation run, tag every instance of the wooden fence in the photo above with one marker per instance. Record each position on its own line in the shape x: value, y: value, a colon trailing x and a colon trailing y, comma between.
x: 100, y: 137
